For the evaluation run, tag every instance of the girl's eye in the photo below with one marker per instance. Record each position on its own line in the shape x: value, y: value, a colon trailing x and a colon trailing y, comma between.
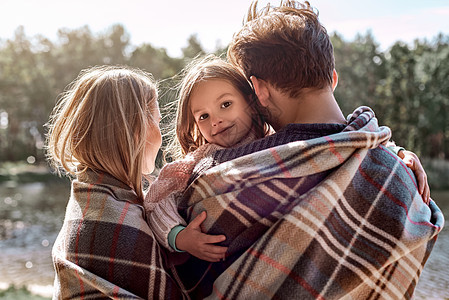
x: 203, y: 117
x: 225, y: 104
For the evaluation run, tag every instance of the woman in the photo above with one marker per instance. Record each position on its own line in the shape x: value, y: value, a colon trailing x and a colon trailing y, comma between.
x: 104, y: 132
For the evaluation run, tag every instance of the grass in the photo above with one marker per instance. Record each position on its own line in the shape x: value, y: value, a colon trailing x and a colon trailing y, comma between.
x: 19, y: 293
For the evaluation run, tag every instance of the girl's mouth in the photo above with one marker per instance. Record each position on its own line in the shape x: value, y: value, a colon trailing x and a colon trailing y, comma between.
x: 223, y: 130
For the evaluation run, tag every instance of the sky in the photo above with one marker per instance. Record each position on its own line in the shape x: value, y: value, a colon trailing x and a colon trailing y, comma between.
x: 168, y: 23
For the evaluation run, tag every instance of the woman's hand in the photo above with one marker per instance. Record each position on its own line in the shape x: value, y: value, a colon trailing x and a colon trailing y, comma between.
x: 412, y: 161
x: 194, y: 241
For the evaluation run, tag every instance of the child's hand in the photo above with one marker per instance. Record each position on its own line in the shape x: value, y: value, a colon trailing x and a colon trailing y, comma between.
x: 199, y: 244
x: 412, y: 161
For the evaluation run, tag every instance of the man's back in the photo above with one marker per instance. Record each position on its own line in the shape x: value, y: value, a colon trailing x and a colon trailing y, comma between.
x: 331, y: 216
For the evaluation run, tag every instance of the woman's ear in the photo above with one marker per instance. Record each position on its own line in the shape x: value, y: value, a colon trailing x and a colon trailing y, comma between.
x: 261, y: 90
x: 334, y: 79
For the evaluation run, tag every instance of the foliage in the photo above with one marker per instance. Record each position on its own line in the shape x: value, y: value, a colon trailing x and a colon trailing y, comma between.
x: 13, y: 292
x: 34, y: 72
x: 405, y: 85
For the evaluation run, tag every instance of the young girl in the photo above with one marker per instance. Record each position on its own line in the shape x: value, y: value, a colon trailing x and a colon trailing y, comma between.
x: 217, y: 108
x: 104, y: 132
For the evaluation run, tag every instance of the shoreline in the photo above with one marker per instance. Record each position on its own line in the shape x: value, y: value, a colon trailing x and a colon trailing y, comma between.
x: 12, y: 174
x: 9, y: 291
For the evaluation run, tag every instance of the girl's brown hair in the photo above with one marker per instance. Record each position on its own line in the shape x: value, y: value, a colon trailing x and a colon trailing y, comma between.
x: 188, y: 136
x: 101, y: 123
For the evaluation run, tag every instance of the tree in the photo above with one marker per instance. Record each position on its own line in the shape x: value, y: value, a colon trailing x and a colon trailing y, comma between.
x: 193, y: 48
x: 402, y: 97
x: 21, y: 73
x: 361, y: 69
x: 155, y: 61
x: 115, y: 44
x: 432, y: 74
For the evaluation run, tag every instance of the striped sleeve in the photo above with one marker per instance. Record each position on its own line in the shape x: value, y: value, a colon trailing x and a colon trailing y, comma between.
x: 163, y: 218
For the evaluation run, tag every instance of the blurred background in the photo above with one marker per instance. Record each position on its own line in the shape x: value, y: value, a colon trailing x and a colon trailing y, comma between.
x: 393, y: 57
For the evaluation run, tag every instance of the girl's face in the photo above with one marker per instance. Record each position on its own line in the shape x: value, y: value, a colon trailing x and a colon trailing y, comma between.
x: 221, y: 112
x: 153, y: 143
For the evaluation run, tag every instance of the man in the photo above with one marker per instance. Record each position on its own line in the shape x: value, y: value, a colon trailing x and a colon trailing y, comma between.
x: 320, y: 209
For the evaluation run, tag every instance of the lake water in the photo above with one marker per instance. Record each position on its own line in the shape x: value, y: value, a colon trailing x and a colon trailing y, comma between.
x: 32, y: 214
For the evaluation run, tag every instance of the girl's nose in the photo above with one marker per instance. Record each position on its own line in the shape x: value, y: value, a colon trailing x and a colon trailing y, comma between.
x: 216, y: 121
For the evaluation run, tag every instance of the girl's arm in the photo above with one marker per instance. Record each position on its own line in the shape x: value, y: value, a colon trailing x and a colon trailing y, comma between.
x: 170, y: 231
x: 164, y: 219
x: 412, y: 161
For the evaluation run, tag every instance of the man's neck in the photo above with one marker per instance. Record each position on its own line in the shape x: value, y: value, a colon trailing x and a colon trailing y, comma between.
x: 318, y: 106
x: 312, y: 106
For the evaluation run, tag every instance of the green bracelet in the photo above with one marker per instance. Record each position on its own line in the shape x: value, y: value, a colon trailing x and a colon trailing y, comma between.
x: 395, y: 149
x: 172, y: 236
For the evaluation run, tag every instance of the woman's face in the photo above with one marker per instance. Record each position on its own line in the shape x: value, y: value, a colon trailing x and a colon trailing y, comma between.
x: 153, y: 143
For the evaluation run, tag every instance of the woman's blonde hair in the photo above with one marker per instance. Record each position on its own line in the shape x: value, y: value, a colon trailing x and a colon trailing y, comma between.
x: 101, y: 123
x: 188, y: 136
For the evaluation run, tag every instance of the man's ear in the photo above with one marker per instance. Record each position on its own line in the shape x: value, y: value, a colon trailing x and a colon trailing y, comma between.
x: 334, y: 79
x: 261, y: 90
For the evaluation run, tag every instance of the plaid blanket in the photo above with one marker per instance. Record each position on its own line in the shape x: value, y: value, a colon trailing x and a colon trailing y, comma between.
x: 105, y: 248
x: 327, y: 218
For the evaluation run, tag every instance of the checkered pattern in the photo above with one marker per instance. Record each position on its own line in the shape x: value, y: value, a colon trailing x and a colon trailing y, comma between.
x: 327, y: 218
x: 105, y: 248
